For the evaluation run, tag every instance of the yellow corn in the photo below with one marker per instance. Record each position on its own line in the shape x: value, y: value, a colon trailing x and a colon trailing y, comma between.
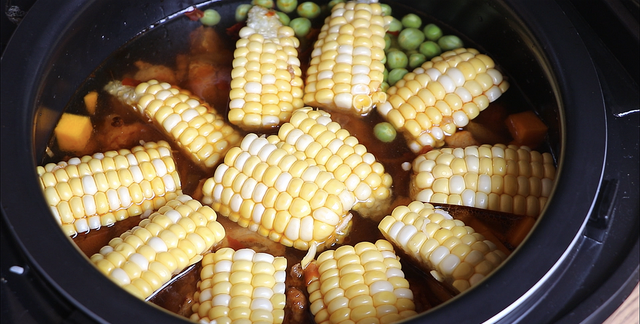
x: 359, y: 284
x: 509, y: 179
x: 92, y: 191
x: 441, y: 96
x: 276, y: 193
x: 450, y: 250
x: 240, y: 287
x: 346, y: 69
x: 266, y: 83
x: 326, y: 144
x: 145, y: 257
x: 196, y: 129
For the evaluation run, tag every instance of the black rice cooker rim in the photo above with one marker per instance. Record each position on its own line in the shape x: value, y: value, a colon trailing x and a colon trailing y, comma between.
x: 27, y: 66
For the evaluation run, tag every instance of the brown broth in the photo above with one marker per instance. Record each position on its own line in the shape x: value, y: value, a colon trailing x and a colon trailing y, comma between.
x: 116, y: 127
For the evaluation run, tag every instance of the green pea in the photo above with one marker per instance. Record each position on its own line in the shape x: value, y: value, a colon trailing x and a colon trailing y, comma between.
x: 395, y: 25
x: 432, y: 32
x: 241, y: 12
x: 387, y: 41
x: 416, y: 59
x: 284, y: 18
x: 385, y: 75
x: 449, y: 42
x: 210, y: 18
x: 396, y: 75
x: 301, y: 26
x: 384, y: 86
x: 263, y: 3
x: 385, y: 132
x: 410, y: 38
x: 430, y: 49
x: 335, y: 2
x: 397, y: 59
x: 287, y: 5
x: 386, y: 9
x: 308, y: 10
x: 411, y: 21
x: 409, y: 52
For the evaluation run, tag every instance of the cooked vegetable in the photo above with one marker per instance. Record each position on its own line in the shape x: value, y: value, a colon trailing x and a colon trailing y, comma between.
x: 411, y: 21
x: 93, y: 191
x: 278, y: 194
x: 446, y: 247
x: 198, y: 130
x: 73, y: 132
x: 396, y: 75
x: 386, y: 9
x: 284, y: 19
x: 526, y: 129
x: 395, y: 25
x: 242, y: 11
x: 397, y: 60
x: 430, y: 49
x: 509, y: 179
x: 301, y: 26
x: 410, y: 38
x: 240, y: 287
x: 432, y: 32
x: 359, y: 284
x: 287, y: 6
x: 345, y: 72
x: 384, y: 132
x: 416, y: 59
x: 91, y: 102
x: 450, y: 42
x: 443, y: 94
x: 334, y: 2
x: 266, y: 85
x: 308, y: 10
x: 268, y: 4
x: 145, y: 257
x: 210, y: 17
x: 326, y: 144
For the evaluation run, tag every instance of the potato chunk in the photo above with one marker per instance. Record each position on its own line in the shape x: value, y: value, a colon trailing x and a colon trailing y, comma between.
x: 73, y: 132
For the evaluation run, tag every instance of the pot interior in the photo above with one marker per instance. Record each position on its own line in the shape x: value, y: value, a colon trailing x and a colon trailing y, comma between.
x: 85, y: 34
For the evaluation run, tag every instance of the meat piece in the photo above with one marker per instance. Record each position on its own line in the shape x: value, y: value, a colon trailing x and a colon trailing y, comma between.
x: 239, y: 237
x: 296, y: 276
x: 147, y: 71
x: 296, y: 308
x: 461, y: 139
x: 210, y: 81
x: 206, y: 40
x: 182, y: 67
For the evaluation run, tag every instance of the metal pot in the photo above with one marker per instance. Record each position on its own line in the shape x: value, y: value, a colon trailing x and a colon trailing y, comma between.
x: 585, y: 244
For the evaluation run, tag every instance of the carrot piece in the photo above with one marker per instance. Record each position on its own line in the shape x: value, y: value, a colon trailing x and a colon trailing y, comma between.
x: 91, y: 101
x: 526, y: 129
x: 73, y: 132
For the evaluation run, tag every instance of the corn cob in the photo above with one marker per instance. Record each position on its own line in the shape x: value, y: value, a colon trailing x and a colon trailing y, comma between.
x: 92, y: 191
x: 198, y: 130
x: 240, y: 287
x: 266, y: 83
x: 279, y: 195
x: 442, y: 95
x: 326, y: 144
x: 145, y: 257
x: 359, y: 284
x: 346, y: 69
x: 509, y: 179
x: 452, y: 252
